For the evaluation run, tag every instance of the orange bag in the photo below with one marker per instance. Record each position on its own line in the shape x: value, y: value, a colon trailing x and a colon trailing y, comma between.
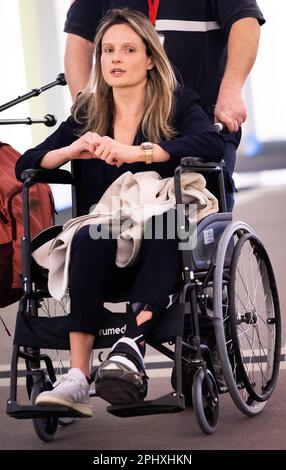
x: 11, y: 222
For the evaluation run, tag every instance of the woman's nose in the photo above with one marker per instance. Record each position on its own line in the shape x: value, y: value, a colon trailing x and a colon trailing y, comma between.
x: 116, y: 57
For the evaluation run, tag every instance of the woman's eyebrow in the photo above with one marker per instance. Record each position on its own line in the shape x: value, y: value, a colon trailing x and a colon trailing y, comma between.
x: 123, y: 44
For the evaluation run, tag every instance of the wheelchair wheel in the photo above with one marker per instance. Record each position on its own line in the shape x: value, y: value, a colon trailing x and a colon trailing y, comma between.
x: 66, y: 421
x: 206, y: 409
x: 45, y: 427
x: 247, y: 319
x: 50, y: 307
x: 60, y: 359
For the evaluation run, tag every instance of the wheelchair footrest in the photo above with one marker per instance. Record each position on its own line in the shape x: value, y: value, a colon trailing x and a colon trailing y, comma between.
x: 172, y: 403
x: 15, y: 410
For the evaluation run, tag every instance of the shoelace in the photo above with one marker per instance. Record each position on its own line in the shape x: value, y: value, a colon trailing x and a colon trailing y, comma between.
x: 67, y: 378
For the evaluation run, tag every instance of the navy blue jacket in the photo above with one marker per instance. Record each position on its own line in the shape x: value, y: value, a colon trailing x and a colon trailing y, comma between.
x: 196, y: 137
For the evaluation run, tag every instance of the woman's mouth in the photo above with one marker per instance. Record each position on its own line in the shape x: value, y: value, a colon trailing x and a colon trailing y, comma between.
x: 117, y: 72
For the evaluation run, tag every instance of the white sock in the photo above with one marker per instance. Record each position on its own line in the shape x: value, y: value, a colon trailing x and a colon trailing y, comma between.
x: 123, y: 360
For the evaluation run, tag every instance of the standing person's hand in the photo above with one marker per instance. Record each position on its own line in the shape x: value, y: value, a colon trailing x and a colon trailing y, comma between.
x: 230, y: 109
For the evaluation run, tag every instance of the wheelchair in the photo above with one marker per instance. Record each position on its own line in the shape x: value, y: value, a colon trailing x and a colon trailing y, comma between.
x: 221, y: 329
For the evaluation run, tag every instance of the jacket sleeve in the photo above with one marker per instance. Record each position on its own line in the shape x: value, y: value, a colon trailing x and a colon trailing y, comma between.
x: 62, y: 137
x: 196, y: 134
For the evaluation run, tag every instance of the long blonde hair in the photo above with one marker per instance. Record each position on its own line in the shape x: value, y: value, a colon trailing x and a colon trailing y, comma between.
x: 94, y: 107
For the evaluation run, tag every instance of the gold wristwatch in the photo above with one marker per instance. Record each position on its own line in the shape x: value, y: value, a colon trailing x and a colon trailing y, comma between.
x: 148, y: 148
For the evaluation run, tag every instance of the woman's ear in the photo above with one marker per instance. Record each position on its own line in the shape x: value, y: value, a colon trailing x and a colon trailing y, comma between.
x: 150, y: 64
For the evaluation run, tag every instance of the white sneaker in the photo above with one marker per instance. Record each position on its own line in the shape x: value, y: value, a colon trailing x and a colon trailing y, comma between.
x: 71, y: 390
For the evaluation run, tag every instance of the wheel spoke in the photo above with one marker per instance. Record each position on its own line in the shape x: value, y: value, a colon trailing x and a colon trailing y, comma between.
x: 250, y: 328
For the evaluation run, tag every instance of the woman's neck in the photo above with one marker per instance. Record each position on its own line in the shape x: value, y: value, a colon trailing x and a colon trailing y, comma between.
x: 129, y: 103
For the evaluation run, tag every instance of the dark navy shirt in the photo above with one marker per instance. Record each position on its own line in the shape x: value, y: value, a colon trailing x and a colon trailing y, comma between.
x: 195, y: 137
x: 195, y: 31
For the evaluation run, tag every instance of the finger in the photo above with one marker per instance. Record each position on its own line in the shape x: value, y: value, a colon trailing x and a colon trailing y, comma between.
x: 91, y: 149
x: 236, y: 126
x: 88, y: 143
x: 226, y: 120
x: 111, y: 160
x: 243, y: 117
x: 87, y: 135
x: 94, y: 134
x: 102, y: 142
x: 85, y: 151
x: 238, y: 118
x: 85, y: 155
x: 95, y: 139
x: 94, y: 147
x: 99, y: 150
x: 106, y: 153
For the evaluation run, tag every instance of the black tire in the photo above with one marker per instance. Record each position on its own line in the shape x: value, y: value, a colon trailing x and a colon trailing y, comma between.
x: 256, y: 321
x: 206, y: 409
x: 237, y: 345
x: 49, y: 307
x: 66, y: 421
x: 45, y: 428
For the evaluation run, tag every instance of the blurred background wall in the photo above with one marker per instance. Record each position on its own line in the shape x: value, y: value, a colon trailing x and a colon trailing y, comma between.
x: 32, y: 50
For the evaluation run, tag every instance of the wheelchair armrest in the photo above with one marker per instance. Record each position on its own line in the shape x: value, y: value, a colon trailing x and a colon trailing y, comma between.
x: 47, y: 176
x: 198, y: 164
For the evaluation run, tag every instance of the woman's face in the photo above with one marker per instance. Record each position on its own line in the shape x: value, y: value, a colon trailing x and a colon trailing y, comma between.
x: 124, y: 61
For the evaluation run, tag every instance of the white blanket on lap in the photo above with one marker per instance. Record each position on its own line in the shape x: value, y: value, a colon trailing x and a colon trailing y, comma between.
x: 125, y: 206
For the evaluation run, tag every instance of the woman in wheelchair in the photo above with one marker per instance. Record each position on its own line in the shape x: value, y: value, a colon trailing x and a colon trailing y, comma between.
x: 132, y: 113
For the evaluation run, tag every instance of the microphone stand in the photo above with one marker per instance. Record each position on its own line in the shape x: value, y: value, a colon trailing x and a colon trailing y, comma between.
x: 49, y: 120
x: 60, y: 80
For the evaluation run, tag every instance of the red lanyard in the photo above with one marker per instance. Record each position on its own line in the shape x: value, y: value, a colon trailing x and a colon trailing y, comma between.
x: 153, y: 10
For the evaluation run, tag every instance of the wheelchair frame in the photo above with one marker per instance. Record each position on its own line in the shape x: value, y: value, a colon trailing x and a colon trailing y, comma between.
x: 194, y: 376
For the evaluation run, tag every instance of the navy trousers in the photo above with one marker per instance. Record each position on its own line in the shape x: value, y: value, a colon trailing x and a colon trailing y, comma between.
x: 94, y: 276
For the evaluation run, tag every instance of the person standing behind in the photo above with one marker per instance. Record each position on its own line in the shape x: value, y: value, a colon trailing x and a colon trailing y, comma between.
x: 220, y: 38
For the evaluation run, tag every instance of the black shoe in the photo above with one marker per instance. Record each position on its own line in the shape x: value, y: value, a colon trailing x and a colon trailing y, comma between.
x: 118, y: 383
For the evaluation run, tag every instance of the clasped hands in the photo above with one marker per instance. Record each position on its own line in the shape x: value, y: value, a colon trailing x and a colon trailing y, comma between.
x: 91, y: 145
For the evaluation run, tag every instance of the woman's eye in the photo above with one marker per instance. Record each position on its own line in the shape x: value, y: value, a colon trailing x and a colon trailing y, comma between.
x: 130, y: 49
x: 107, y: 49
